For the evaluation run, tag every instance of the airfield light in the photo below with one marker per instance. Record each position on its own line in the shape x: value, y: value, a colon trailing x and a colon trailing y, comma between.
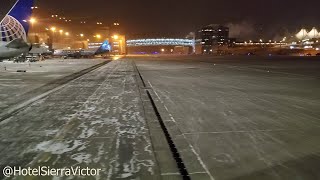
x: 115, y: 37
x: 33, y: 20
x: 53, y: 29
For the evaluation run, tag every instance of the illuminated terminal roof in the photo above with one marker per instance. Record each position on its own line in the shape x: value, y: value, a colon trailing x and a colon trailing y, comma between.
x: 313, y: 33
x: 160, y: 42
x: 304, y: 34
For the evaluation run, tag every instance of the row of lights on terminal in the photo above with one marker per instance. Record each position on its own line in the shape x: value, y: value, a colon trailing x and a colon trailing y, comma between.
x: 67, y: 20
x: 54, y: 29
x: 61, y: 18
x: 164, y: 50
x: 98, y: 36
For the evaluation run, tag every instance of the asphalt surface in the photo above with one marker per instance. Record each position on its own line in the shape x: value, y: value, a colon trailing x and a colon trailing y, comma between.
x: 250, y: 118
x: 227, y: 118
x: 16, y: 86
x: 95, y: 121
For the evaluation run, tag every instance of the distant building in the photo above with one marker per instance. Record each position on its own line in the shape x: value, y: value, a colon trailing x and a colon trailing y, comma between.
x: 303, y: 34
x: 213, y: 35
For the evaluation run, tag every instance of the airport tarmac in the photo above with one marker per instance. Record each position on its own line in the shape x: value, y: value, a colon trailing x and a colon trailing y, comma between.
x: 229, y: 118
x: 14, y: 85
x: 95, y: 121
x: 232, y: 118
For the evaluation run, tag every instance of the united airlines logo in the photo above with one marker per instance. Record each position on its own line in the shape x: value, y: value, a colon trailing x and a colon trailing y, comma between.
x: 10, y: 29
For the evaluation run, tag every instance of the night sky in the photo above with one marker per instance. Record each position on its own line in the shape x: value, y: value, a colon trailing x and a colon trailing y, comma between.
x: 174, y: 16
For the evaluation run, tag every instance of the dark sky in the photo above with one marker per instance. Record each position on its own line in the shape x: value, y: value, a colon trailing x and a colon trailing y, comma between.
x: 184, y: 15
x: 177, y: 15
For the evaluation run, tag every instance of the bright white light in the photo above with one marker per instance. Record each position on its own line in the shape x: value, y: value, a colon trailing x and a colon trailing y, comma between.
x: 33, y: 20
x: 302, y: 34
x: 313, y: 33
x: 115, y: 37
x: 160, y: 42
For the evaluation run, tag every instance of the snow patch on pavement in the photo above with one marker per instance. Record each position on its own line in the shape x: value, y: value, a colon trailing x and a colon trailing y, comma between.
x: 58, y: 147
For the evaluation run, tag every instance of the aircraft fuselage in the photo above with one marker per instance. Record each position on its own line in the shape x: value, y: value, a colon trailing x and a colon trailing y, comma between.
x: 7, y: 53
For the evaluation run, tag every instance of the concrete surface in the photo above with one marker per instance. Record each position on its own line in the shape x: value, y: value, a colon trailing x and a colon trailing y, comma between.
x: 231, y: 118
x: 95, y: 121
x: 14, y: 85
x: 250, y: 118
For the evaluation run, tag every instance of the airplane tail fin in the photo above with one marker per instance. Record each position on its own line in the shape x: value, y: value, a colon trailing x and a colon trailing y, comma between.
x: 22, y: 11
x: 105, y: 47
x: 16, y: 23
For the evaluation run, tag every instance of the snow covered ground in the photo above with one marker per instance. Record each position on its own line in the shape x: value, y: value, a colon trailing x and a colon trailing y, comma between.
x: 95, y: 121
x: 13, y: 84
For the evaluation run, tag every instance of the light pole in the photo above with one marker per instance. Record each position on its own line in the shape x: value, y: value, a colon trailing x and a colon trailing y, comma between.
x: 53, y: 30
x: 32, y: 22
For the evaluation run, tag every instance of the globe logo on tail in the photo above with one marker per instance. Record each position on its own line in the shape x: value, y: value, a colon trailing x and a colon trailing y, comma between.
x: 10, y: 29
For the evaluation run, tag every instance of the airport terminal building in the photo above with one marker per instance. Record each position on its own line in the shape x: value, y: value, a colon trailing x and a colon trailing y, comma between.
x: 210, y: 36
